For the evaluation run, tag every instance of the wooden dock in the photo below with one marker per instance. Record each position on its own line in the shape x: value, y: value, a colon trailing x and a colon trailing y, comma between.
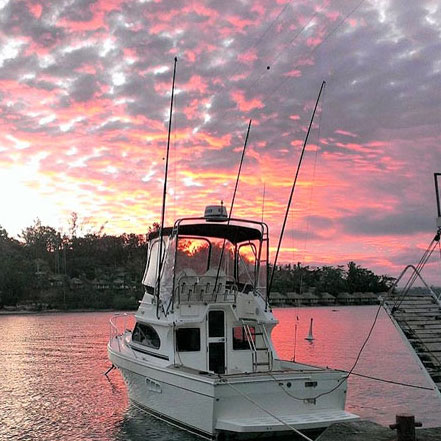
x: 417, y: 316
x: 368, y: 431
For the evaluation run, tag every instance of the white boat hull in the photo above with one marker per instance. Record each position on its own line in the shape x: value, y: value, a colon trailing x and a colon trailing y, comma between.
x: 208, y: 404
x: 163, y: 395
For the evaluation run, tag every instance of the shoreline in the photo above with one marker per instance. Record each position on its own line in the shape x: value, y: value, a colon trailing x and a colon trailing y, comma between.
x: 59, y: 311
x: 91, y: 310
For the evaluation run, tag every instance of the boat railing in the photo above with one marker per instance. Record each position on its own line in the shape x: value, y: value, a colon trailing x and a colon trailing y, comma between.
x: 200, y: 293
x: 202, y: 289
x: 118, y: 326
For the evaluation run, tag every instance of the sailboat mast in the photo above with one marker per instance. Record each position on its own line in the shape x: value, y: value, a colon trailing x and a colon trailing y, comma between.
x: 164, y: 193
x: 292, y: 190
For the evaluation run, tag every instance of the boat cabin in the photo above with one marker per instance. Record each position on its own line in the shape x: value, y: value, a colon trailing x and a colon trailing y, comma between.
x: 208, y: 308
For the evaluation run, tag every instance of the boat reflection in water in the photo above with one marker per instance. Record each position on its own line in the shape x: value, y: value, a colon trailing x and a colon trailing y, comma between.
x: 200, y: 355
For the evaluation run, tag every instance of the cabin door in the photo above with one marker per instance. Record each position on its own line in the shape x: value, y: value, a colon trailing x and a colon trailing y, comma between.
x: 216, y: 342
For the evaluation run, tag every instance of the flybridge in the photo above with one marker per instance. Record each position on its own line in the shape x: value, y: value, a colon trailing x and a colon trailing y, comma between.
x: 215, y: 257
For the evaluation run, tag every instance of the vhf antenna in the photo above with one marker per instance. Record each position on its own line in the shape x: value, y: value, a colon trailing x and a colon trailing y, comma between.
x: 292, y: 190
x: 164, y: 193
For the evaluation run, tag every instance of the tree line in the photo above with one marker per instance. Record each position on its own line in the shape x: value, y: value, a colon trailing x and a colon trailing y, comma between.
x: 46, y: 269
x: 330, y: 279
x: 68, y: 271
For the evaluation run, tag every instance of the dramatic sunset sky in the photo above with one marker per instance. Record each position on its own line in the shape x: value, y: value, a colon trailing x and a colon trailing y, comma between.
x: 84, y: 103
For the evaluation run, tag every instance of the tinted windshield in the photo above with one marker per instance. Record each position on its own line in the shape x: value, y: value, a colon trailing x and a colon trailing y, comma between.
x: 203, y: 254
x: 197, y: 256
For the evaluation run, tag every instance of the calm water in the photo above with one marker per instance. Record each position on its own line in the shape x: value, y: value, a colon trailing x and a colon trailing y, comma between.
x: 52, y: 385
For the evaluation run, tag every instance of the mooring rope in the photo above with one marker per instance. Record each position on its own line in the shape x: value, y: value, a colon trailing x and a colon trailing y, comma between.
x: 398, y: 383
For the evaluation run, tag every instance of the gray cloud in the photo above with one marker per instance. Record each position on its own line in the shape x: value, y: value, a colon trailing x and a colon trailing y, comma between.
x: 79, y: 10
x: 84, y: 88
x: 399, y: 223
x: 16, y: 20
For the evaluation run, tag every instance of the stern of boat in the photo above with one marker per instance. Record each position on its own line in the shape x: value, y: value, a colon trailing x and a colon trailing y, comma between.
x: 305, y: 399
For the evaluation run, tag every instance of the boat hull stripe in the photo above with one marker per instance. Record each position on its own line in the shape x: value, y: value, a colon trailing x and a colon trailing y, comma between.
x: 143, y: 351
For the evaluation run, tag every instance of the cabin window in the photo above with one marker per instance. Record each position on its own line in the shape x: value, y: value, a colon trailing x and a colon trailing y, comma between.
x: 188, y: 339
x: 240, y: 340
x: 216, y: 324
x: 146, y: 335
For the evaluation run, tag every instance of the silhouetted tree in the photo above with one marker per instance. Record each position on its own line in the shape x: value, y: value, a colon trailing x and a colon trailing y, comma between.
x: 77, y: 270
x: 331, y: 279
x: 15, y: 270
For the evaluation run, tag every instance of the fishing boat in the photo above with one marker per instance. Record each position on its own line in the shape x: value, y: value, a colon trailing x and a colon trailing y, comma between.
x: 200, y: 355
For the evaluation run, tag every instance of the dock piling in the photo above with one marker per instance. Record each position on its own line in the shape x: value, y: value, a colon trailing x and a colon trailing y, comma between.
x: 405, y: 425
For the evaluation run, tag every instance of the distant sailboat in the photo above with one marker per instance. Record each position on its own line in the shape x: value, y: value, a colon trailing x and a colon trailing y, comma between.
x: 310, y: 336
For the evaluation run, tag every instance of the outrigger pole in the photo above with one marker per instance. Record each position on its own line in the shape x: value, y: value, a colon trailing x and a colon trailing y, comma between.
x: 238, y: 172
x: 292, y: 190
x: 164, y: 194
x: 232, y: 202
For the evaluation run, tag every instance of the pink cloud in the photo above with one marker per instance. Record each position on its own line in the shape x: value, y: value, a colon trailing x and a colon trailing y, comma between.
x: 293, y: 73
x: 243, y: 104
x: 36, y: 9
x: 238, y: 23
x: 346, y: 133
x: 248, y: 57
x: 313, y: 41
x: 352, y: 146
x: 196, y: 84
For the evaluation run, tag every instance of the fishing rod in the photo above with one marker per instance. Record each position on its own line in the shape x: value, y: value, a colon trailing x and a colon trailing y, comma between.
x: 164, y: 193
x: 293, y: 188
x: 232, y: 204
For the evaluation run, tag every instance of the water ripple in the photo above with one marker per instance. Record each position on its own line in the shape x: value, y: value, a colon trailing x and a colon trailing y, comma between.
x: 52, y: 385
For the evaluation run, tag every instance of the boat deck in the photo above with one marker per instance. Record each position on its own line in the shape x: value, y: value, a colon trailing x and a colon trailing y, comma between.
x: 284, y: 368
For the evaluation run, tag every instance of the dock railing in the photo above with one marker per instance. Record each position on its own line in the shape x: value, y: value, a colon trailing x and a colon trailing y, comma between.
x: 416, y: 274
x: 416, y: 317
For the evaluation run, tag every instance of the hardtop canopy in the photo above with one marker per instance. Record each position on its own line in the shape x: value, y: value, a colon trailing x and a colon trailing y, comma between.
x: 235, y: 233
